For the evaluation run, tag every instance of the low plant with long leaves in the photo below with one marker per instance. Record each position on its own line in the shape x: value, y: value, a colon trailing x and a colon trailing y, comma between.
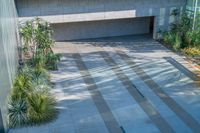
x: 41, y: 107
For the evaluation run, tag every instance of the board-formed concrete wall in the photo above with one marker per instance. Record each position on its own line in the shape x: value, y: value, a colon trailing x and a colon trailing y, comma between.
x: 161, y: 9
x: 8, y: 54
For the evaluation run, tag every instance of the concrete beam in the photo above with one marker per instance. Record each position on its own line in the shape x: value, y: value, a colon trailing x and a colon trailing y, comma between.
x: 84, y: 17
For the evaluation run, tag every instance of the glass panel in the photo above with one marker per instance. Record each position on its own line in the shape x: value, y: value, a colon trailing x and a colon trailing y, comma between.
x: 198, y: 5
x: 190, y: 5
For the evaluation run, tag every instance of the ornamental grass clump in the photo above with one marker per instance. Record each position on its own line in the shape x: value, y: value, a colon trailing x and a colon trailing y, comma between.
x: 41, y: 107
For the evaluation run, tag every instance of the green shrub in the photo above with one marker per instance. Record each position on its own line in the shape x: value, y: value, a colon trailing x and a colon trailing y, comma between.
x: 39, y: 60
x: 41, y: 107
x: 189, y: 38
x: 22, y: 85
x: 182, y: 35
x: 17, y: 112
x: 169, y: 38
x: 166, y: 38
x: 192, y: 38
x: 41, y: 76
x: 177, y: 42
x: 182, y: 24
x: 52, y: 60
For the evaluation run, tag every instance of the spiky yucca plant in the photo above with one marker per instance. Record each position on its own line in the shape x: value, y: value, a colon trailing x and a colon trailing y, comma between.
x: 17, y: 112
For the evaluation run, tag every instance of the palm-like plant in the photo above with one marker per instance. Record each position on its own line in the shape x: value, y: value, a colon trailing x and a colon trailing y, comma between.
x: 37, y: 36
x: 27, y: 32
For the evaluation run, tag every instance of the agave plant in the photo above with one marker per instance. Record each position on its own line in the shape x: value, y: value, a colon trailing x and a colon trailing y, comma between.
x: 17, y: 112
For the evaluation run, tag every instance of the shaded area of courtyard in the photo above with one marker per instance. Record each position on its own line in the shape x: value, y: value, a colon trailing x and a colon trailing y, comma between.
x: 122, y: 84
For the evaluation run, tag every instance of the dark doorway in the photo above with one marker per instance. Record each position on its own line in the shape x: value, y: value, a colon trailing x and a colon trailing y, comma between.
x: 1, y: 124
x: 151, y: 26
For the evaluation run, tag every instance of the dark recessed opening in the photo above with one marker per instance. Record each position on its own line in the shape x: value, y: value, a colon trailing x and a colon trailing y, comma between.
x: 151, y: 28
x: 1, y: 124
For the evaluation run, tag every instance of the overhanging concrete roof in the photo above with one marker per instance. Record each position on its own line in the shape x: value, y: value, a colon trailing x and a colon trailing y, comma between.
x: 68, y: 18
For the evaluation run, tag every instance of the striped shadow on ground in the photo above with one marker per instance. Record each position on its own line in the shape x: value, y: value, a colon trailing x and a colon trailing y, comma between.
x: 171, y: 103
x: 153, y: 114
x: 182, y: 69
x: 105, y: 112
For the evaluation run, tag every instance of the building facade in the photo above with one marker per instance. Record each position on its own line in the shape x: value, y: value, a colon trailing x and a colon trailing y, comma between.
x: 8, y: 54
x: 80, y: 19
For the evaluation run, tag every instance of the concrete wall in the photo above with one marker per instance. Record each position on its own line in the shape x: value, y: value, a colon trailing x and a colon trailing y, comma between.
x: 106, y: 28
x: 8, y: 53
x: 74, y: 10
x: 55, y: 7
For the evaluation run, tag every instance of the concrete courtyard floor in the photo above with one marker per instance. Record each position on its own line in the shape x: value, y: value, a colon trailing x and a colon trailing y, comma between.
x: 128, y: 84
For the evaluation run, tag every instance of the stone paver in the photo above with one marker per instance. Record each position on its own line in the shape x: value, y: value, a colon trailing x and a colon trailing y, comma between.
x: 100, y: 103
x: 141, y: 100
x: 112, y: 90
x: 185, y: 116
x: 122, y: 84
x: 162, y: 108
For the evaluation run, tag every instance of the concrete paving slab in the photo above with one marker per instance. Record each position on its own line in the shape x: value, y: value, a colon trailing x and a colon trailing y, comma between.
x: 113, y: 90
x: 184, y: 115
x: 163, y: 109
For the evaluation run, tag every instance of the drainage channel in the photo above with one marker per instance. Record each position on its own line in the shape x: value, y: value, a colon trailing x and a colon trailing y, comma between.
x: 171, y: 103
x: 148, y: 108
x: 138, y: 90
x: 182, y: 69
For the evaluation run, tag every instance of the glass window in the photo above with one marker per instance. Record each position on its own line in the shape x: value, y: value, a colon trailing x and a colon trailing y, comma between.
x: 190, y: 5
